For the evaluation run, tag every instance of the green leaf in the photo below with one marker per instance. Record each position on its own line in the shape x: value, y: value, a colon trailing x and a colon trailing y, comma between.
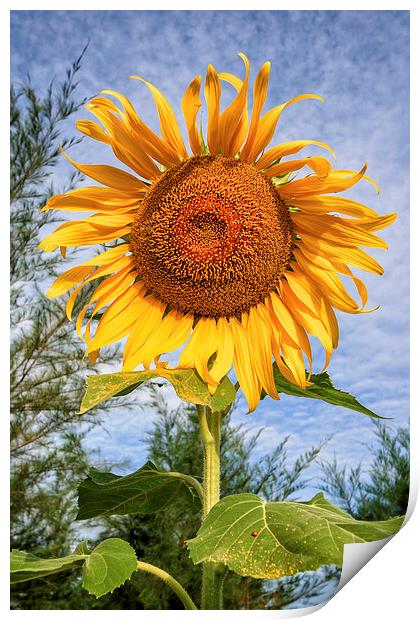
x: 109, y: 565
x: 145, y: 491
x: 186, y: 382
x: 321, y: 389
x: 276, y: 539
x: 25, y: 566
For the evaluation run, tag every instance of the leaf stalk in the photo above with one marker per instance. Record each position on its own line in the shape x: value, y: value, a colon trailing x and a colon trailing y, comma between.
x: 170, y: 581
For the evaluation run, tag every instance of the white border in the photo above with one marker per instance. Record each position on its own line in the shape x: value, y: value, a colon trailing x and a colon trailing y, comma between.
x: 387, y: 586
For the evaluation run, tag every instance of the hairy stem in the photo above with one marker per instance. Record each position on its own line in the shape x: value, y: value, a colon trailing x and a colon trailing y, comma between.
x: 170, y: 581
x: 213, y: 573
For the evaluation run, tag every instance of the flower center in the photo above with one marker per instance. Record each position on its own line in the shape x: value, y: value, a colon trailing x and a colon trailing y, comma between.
x: 212, y: 237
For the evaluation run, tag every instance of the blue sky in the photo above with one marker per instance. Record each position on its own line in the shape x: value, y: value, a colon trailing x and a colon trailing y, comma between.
x: 358, y: 61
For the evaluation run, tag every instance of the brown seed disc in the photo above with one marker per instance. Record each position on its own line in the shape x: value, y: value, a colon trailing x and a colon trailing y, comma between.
x: 212, y: 237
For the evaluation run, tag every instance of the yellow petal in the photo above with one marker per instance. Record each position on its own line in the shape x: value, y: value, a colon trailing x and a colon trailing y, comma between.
x: 76, y: 202
x: 230, y: 119
x: 307, y: 291
x: 104, y: 270
x: 118, y: 318
x: 231, y: 79
x: 67, y: 280
x: 150, y: 142
x: 319, y: 165
x: 329, y: 264
x: 326, y: 204
x: 261, y: 357
x: 186, y: 359
x: 267, y: 126
x: 205, y: 345
x: 311, y: 186
x: 343, y: 174
x: 354, y: 256
x: 105, y: 103
x: 375, y: 223
x: 108, y: 290
x: 108, y: 175
x: 182, y: 328
x: 338, y: 230
x: 168, y: 123
x: 124, y: 144
x: 191, y: 103
x: 244, y: 369
x: 241, y: 133
x: 108, y: 256
x: 224, y: 359
x: 72, y: 276
x: 103, y: 195
x: 151, y: 311
x: 173, y: 330
x: 287, y: 323
x: 260, y: 95
x: 293, y: 357
x: 287, y: 148
x: 92, y: 355
x: 212, y: 93
x: 310, y: 321
x: 89, y: 231
x: 331, y: 285
x: 93, y: 130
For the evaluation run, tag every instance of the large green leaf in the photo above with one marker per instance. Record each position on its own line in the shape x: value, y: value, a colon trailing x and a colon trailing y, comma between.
x: 321, y: 389
x: 275, y: 539
x: 143, y: 492
x: 25, y: 566
x: 186, y: 382
x: 109, y: 565
x: 105, y: 568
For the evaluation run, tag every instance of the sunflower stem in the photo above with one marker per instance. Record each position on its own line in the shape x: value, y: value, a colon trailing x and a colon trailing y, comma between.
x: 170, y: 581
x: 213, y: 572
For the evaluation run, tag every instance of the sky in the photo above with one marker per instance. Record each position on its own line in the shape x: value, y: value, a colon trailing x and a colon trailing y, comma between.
x: 359, y: 62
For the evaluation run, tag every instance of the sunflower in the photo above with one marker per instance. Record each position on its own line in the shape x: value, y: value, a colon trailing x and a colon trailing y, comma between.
x: 225, y: 251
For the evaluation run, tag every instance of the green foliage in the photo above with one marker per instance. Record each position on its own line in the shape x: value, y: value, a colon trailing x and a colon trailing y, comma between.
x: 160, y: 539
x: 381, y: 491
x: 174, y: 444
x: 268, y: 540
x: 187, y: 383
x: 46, y: 448
x: 109, y: 565
x: 46, y: 379
x: 321, y: 389
x: 26, y: 566
x: 145, y: 491
x: 105, y: 568
x: 35, y: 132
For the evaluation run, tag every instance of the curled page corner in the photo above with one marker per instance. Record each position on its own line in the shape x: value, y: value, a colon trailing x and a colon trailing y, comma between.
x: 356, y: 555
x: 412, y: 496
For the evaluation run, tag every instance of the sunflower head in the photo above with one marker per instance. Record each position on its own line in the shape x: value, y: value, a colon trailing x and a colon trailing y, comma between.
x: 227, y: 250
x: 213, y: 237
